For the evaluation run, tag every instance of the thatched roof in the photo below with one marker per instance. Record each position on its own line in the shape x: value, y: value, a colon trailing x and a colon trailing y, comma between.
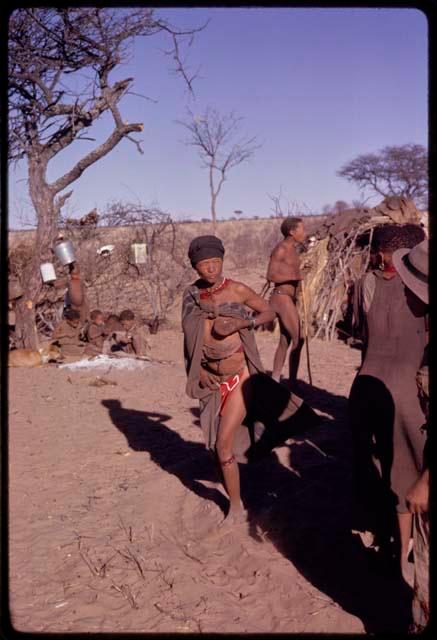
x: 341, y: 256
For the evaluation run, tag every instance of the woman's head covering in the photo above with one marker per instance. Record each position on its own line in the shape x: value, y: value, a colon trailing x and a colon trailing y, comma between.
x: 412, y: 267
x: 204, y: 247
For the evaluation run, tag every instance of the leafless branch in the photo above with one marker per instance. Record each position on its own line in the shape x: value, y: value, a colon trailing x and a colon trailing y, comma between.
x: 213, y: 135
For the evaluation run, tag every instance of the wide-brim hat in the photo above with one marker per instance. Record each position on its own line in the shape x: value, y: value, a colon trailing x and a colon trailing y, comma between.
x: 412, y: 267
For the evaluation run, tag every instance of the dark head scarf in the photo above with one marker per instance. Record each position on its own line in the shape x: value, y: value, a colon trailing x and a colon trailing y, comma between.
x: 204, y: 247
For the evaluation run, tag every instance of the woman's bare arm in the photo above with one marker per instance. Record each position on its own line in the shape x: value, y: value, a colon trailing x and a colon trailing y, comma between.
x: 226, y: 326
x: 255, y: 302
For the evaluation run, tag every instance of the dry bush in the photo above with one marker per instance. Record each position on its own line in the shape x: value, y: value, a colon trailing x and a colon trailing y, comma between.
x: 49, y: 306
x: 115, y: 281
x: 18, y: 257
x: 252, y: 250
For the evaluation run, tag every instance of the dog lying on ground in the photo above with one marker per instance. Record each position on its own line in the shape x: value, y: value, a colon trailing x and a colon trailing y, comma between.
x: 33, y: 357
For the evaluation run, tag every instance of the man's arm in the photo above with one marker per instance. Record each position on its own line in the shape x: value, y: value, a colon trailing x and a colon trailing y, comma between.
x: 76, y: 289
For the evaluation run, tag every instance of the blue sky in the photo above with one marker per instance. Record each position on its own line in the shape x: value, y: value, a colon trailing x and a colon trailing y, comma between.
x: 316, y: 86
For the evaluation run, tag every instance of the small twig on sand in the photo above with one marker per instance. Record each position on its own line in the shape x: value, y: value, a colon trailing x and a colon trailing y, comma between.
x: 151, y: 532
x: 311, y: 444
x: 162, y: 574
x: 329, y: 602
x: 184, y: 550
x: 132, y: 557
x: 315, y: 613
x: 123, y: 528
x: 95, y: 570
x: 182, y: 618
x: 125, y: 591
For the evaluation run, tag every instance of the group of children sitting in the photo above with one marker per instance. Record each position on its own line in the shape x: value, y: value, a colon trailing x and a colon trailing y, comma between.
x: 101, y: 334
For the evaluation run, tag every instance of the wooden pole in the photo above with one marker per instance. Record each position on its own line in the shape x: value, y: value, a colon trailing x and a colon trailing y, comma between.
x: 265, y: 289
x: 307, y: 347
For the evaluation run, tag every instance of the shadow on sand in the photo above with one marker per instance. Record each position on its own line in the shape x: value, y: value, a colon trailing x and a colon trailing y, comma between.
x: 322, y: 400
x: 305, y: 510
x: 188, y: 461
x: 309, y: 520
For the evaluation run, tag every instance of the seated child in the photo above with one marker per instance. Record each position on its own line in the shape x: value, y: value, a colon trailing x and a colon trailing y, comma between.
x: 132, y: 339
x: 67, y: 334
x: 95, y: 333
x: 112, y: 324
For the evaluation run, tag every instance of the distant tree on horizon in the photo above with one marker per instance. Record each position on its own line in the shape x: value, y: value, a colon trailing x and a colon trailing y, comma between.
x: 214, y: 136
x: 397, y: 170
x: 284, y: 207
x: 59, y: 66
x: 337, y: 207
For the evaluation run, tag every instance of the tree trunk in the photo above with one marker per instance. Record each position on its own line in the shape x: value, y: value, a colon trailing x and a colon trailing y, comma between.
x: 213, y: 216
x: 213, y: 200
x: 154, y: 326
x: 43, y: 200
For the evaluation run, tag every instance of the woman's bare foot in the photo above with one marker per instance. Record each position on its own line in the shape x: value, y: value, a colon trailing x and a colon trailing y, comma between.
x: 235, y: 516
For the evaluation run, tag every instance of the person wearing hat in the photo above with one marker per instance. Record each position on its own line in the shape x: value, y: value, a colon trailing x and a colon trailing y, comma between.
x: 412, y: 267
x: 383, y: 402
x: 224, y: 370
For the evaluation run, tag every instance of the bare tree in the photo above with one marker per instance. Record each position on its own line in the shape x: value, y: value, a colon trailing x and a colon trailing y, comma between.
x: 341, y: 205
x: 60, y: 61
x: 214, y: 136
x: 393, y: 171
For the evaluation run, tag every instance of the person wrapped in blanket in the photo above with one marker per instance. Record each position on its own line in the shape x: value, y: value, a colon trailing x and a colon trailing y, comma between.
x: 412, y: 267
x: 243, y: 412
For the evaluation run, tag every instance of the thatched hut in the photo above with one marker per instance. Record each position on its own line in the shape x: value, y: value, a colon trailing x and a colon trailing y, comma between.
x: 339, y: 257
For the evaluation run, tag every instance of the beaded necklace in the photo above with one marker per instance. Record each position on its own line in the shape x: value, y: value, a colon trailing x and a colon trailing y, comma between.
x: 208, y: 293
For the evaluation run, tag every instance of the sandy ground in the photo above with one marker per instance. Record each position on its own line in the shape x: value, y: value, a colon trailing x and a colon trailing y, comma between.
x: 112, y: 495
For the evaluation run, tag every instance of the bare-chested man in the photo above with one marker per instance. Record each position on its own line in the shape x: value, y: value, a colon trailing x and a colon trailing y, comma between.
x: 284, y: 272
x: 221, y: 357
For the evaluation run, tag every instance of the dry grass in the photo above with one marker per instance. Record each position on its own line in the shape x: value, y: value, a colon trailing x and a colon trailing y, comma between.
x: 113, y: 283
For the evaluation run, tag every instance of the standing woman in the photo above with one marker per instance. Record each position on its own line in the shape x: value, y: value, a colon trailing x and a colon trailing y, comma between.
x: 223, y: 365
x: 384, y: 405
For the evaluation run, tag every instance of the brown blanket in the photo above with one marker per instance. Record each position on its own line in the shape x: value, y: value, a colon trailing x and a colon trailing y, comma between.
x: 274, y: 413
x: 68, y: 339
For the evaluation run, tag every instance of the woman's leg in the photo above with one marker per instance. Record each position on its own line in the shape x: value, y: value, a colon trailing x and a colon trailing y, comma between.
x: 405, y: 524
x: 233, y: 414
